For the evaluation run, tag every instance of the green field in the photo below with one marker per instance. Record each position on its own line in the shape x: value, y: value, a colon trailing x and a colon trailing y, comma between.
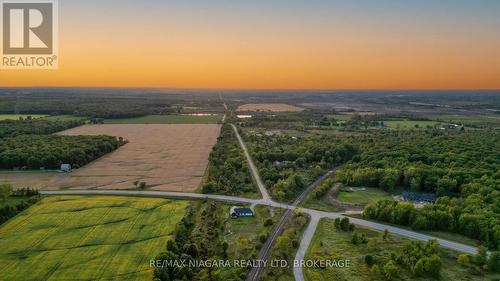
x: 242, y: 234
x: 329, y: 243
x: 87, y: 238
x: 167, y: 119
x: 11, y: 201
x: 321, y: 204
x: 64, y: 118
x: 407, y: 124
x: 17, y: 116
x: 340, y: 117
x: 363, y: 197
x: 467, y: 119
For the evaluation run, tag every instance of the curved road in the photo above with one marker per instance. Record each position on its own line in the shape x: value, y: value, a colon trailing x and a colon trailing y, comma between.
x: 315, y: 214
x: 266, y: 200
x: 265, y: 251
x: 304, y: 245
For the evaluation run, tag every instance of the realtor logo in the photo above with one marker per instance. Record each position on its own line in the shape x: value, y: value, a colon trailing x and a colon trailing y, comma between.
x: 29, y: 34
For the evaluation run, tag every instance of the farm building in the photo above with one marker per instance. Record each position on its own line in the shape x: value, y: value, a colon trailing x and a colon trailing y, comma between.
x: 66, y: 168
x: 241, y: 212
x: 419, y: 197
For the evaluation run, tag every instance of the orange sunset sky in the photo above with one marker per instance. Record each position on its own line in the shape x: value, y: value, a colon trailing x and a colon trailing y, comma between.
x: 274, y: 44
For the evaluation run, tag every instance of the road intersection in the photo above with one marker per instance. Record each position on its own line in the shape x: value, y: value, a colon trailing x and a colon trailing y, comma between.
x: 315, y: 215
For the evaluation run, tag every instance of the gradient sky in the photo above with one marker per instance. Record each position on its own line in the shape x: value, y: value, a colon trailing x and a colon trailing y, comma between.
x: 383, y: 44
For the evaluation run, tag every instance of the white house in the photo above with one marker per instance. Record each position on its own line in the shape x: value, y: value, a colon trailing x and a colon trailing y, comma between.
x: 66, y: 168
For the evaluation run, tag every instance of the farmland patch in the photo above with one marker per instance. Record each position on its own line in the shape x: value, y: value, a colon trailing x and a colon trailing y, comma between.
x: 87, y: 238
x: 165, y: 157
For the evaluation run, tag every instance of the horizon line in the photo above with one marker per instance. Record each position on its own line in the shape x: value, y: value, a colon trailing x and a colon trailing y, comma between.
x: 247, y: 89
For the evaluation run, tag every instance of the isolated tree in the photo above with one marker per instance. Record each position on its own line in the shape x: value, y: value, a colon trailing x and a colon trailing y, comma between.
x: 463, y: 259
x: 263, y: 237
x: 142, y: 185
x: 284, y: 245
x: 385, y: 235
x: 5, y: 190
x: 336, y: 223
x: 355, y: 238
x: 481, y: 257
x: 172, y: 246
x: 209, y: 187
x: 390, y: 270
x: 494, y: 262
x: 191, y: 249
x: 344, y: 224
x: 166, y: 273
x: 419, y: 269
x: 375, y: 272
x: 369, y: 260
x: 223, y: 247
x: 432, y: 265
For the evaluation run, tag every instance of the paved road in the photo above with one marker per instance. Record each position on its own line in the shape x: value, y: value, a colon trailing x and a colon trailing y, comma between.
x: 254, y: 273
x: 304, y: 245
x: 223, y: 102
x: 267, y: 201
x: 253, y: 169
x: 394, y: 230
x: 315, y: 214
x: 265, y: 250
x: 168, y: 194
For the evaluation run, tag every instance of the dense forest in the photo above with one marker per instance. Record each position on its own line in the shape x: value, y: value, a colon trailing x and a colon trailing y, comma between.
x: 49, y: 151
x: 475, y: 213
x: 430, y: 160
x: 12, y: 128
x: 104, y: 103
x: 29, y: 144
x: 228, y: 171
x: 288, y: 164
x: 463, y: 168
x: 200, y: 236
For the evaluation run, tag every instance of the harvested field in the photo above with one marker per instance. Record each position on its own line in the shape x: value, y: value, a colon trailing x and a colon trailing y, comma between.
x: 269, y: 107
x: 166, y: 157
x: 87, y: 238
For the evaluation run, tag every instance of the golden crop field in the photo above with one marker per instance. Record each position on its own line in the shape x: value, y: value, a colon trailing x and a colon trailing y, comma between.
x: 168, y: 157
x: 87, y: 238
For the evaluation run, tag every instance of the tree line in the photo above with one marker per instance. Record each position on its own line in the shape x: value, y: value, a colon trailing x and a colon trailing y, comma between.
x: 12, y: 128
x: 463, y: 168
x: 228, y: 172
x: 200, y: 236
x: 9, y: 209
x: 50, y: 151
x: 474, y: 214
x: 288, y: 164
x: 428, y: 161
